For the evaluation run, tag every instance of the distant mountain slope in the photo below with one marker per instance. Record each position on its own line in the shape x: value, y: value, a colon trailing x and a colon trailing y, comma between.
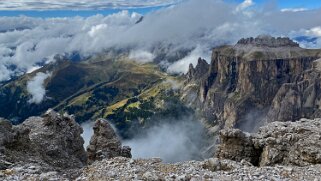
x: 131, y: 95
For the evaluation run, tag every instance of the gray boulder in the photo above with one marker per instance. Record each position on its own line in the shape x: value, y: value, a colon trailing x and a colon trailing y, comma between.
x: 57, y: 139
x: 52, y: 141
x: 283, y: 143
x: 105, y: 144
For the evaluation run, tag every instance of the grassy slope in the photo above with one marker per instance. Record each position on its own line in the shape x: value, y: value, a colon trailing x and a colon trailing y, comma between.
x: 115, y: 88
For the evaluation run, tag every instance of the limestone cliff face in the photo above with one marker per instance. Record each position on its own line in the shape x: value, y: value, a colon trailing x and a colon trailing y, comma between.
x: 301, y: 98
x: 243, y: 80
x: 288, y: 143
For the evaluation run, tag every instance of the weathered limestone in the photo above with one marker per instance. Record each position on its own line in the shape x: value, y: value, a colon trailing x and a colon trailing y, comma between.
x: 278, y: 143
x: 105, y: 144
x: 244, y: 81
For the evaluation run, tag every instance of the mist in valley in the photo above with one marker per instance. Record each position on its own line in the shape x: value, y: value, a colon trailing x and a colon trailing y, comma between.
x: 172, y: 141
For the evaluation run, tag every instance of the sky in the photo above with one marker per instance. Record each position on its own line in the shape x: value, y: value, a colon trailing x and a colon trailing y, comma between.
x: 70, y: 8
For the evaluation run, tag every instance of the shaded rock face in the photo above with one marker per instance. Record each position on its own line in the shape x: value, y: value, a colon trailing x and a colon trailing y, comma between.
x: 237, y: 145
x: 285, y: 143
x: 105, y: 144
x: 52, y: 141
x: 58, y: 139
x: 15, y: 145
x: 298, y: 99
x: 244, y: 79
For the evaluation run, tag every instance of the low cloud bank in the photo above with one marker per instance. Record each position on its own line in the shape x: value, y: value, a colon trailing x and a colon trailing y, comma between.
x: 181, y: 66
x: 36, y: 89
x: 181, y: 140
x: 88, y: 132
x: 141, y: 56
x: 175, y: 141
x: 29, y: 42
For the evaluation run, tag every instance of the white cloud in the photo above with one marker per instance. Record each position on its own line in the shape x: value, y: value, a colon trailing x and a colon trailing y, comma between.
x: 35, y: 87
x: 172, y: 142
x: 316, y: 31
x: 4, y: 73
x: 181, y: 66
x: 245, y: 4
x: 141, y: 56
x: 293, y: 9
x: 95, y: 30
x: 76, y: 4
x: 26, y: 43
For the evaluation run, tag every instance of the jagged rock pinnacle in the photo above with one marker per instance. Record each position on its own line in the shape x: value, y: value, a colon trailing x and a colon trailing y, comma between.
x: 105, y: 143
x: 199, y: 71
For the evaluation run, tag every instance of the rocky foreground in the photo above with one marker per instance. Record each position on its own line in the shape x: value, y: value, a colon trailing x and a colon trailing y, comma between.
x: 51, y: 148
x: 152, y: 169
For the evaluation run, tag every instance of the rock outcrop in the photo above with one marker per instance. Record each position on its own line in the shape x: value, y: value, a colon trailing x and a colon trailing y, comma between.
x: 51, y: 147
x: 243, y: 81
x: 237, y: 145
x: 199, y: 71
x: 278, y: 151
x: 268, y: 41
x: 58, y: 139
x: 52, y: 141
x: 279, y: 143
x: 105, y: 144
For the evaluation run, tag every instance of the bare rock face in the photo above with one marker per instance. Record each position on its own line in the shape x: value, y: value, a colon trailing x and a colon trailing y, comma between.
x: 298, y: 99
x: 52, y: 141
x: 105, y: 144
x: 243, y: 80
x: 58, y: 139
x: 15, y: 145
x: 282, y: 143
x: 6, y: 136
x: 238, y: 146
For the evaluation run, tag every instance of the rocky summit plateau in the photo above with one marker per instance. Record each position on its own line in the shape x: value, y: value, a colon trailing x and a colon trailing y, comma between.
x: 252, y: 112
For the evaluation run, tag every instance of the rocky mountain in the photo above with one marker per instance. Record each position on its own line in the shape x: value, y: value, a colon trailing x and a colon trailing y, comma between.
x: 255, y: 79
x: 279, y: 151
x: 253, y: 97
x: 53, y: 142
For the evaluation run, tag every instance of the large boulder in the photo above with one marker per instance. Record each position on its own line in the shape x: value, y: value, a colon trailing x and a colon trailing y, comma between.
x: 15, y: 145
x: 52, y: 141
x: 285, y: 143
x: 105, y: 144
x: 57, y: 138
x: 237, y: 145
